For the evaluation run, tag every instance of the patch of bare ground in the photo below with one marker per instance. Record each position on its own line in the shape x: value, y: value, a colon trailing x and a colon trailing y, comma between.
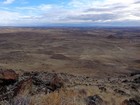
x: 60, y: 57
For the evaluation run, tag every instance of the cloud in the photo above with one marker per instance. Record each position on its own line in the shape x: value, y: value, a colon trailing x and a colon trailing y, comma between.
x: 107, y: 11
x: 102, y: 12
x: 95, y: 17
x: 8, y: 1
x: 7, y: 18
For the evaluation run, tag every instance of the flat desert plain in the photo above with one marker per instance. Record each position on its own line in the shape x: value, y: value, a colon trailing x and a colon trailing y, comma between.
x: 87, y: 51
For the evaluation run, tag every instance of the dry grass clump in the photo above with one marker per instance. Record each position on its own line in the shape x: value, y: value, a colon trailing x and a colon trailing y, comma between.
x: 61, y: 97
x: 20, y: 100
x: 67, y: 97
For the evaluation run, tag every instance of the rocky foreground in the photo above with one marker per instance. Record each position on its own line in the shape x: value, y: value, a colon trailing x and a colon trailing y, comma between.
x: 49, y: 88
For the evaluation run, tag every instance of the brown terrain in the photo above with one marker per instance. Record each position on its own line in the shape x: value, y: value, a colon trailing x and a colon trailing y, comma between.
x: 69, y: 66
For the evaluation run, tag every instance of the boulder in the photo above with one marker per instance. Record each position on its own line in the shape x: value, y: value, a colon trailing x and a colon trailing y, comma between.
x: 8, y: 77
x: 121, y: 92
x: 103, y: 89
x: 95, y: 100
x: 8, y: 74
x: 130, y: 102
x: 56, y: 83
x: 137, y: 80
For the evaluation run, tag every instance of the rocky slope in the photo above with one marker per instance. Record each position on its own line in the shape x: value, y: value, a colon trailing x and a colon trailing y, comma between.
x: 50, y: 88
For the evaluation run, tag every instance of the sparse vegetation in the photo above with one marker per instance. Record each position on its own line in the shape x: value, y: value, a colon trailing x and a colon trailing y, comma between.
x: 69, y: 66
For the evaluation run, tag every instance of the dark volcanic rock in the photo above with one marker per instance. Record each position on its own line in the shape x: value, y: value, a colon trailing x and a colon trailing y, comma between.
x: 120, y: 92
x: 95, y: 100
x: 135, y: 73
x: 130, y: 102
x: 56, y: 82
x: 137, y: 80
x: 8, y: 77
x: 137, y: 61
x: 103, y: 89
x: 8, y: 74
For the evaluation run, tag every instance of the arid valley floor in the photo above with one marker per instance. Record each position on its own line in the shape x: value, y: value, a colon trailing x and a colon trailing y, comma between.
x: 70, y: 66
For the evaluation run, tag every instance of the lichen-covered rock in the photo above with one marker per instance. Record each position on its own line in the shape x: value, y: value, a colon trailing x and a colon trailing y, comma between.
x: 8, y: 74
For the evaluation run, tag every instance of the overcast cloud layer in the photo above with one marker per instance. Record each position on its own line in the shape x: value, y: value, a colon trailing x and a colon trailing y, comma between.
x: 71, y: 12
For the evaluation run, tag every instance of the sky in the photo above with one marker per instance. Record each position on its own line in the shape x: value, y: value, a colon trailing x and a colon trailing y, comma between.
x: 69, y: 12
